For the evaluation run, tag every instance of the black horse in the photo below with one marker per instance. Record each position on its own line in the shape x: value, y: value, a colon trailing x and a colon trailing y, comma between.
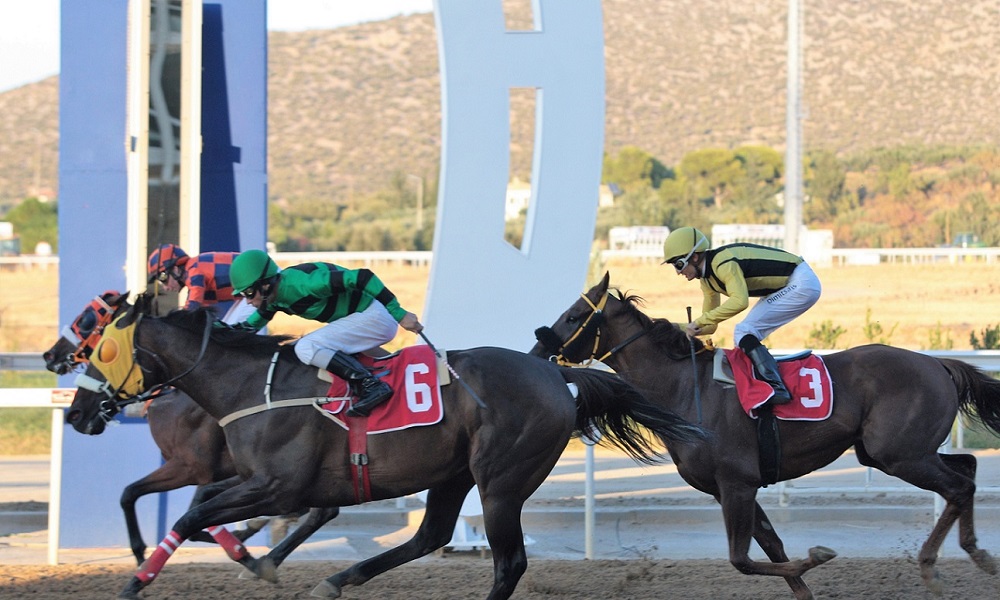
x: 894, y: 406
x: 192, y: 444
x: 292, y: 457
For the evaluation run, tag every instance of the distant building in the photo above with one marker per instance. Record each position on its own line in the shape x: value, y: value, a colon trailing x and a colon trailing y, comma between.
x: 816, y: 245
x: 519, y: 197
x: 644, y: 242
x: 10, y: 244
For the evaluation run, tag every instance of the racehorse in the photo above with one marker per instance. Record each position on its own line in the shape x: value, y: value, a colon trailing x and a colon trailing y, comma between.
x: 894, y: 406
x: 191, y: 442
x: 503, y: 430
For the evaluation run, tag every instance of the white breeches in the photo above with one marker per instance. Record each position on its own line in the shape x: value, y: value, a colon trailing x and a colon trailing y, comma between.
x: 354, y: 333
x: 781, y: 307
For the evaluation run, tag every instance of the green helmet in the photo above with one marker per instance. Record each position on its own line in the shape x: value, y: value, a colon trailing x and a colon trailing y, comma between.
x: 250, y: 267
x: 682, y: 243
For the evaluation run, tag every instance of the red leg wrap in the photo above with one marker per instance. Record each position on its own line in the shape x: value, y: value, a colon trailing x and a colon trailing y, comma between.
x: 233, y: 547
x: 152, y: 566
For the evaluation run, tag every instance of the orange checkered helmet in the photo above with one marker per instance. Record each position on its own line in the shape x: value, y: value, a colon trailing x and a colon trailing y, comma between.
x: 163, y: 259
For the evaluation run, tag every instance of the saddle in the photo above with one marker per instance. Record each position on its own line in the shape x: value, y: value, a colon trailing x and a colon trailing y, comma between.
x: 807, y: 379
x: 722, y: 371
x: 415, y: 375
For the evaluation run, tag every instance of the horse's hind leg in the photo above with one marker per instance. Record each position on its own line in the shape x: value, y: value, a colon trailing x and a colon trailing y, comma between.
x: 317, y: 518
x: 443, y: 505
x: 768, y: 540
x: 935, y: 474
x: 965, y: 464
x: 502, y: 519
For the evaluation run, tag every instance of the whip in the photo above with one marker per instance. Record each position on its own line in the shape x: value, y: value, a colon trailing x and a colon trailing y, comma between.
x: 694, y: 370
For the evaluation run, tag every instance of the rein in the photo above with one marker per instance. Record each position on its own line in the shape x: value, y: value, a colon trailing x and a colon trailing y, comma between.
x: 587, y: 328
x: 592, y: 327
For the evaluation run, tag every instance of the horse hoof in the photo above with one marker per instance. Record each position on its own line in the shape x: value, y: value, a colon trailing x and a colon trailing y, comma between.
x: 821, y: 554
x: 131, y: 591
x: 265, y: 569
x: 932, y: 580
x: 984, y: 561
x: 325, y: 589
x: 935, y: 586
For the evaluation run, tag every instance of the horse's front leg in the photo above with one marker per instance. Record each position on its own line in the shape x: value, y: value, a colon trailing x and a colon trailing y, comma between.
x: 247, y: 500
x: 443, y: 505
x: 768, y: 540
x: 739, y: 509
x: 171, y: 475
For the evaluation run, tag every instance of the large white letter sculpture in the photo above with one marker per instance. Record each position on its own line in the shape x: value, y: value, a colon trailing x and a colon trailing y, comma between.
x: 482, y: 290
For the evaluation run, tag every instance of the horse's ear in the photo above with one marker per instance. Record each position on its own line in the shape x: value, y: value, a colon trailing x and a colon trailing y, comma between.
x: 140, y: 307
x: 605, y: 282
x: 114, y: 298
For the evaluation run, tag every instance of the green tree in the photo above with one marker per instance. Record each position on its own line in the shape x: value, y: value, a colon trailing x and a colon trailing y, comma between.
x: 824, y: 185
x: 35, y: 221
x: 712, y: 173
x: 633, y: 168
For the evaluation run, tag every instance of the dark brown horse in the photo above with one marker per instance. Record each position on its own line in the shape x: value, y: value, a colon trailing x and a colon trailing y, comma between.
x: 894, y: 406
x: 191, y: 442
x: 291, y: 457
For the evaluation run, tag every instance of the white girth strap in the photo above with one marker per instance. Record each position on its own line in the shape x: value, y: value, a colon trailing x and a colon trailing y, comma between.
x: 268, y: 403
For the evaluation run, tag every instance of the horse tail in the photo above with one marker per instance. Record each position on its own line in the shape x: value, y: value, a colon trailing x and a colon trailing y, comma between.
x: 978, y: 393
x: 610, y: 409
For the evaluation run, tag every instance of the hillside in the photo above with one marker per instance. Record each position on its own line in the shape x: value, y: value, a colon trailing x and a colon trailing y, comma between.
x: 350, y: 106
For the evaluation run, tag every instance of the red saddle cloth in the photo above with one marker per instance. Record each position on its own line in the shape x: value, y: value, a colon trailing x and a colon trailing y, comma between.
x: 807, y: 380
x: 416, y: 395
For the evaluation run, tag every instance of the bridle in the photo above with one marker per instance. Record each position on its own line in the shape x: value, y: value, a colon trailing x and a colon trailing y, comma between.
x: 85, y: 340
x: 116, y: 398
x: 587, y: 334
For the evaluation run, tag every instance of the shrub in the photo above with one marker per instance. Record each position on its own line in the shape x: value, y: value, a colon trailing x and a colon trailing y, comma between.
x: 824, y: 336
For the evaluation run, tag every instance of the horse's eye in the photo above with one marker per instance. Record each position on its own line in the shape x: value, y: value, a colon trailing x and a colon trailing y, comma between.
x: 572, y: 319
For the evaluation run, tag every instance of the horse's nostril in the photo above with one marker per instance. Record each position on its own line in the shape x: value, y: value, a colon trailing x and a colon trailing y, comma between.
x: 72, y: 416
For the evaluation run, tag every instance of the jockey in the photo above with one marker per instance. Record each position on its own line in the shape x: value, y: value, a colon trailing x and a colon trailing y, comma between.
x: 785, y: 285
x: 206, y: 277
x: 359, y: 311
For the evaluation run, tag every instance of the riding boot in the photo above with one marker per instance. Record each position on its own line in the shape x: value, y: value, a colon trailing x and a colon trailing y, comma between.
x: 767, y: 371
x: 370, y: 390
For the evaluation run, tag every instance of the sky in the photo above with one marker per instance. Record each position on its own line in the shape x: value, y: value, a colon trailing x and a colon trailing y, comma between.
x: 29, y: 29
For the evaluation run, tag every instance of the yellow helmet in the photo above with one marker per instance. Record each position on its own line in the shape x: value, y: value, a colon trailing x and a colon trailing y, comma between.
x: 682, y: 243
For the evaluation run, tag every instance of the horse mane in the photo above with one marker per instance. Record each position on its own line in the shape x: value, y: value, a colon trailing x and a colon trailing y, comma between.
x: 194, y: 321
x: 668, y: 336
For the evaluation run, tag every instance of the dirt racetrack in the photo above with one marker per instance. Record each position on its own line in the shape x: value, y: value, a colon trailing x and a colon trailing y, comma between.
x: 463, y: 576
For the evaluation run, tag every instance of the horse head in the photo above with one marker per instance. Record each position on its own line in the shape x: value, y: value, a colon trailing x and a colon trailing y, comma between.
x: 93, y: 406
x: 575, y: 337
x: 79, y: 338
x: 98, y: 400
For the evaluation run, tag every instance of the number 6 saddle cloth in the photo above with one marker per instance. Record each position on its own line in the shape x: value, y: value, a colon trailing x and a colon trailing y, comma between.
x: 412, y: 373
x: 807, y: 380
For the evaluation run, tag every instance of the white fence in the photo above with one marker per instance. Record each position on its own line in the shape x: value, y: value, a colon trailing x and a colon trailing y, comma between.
x: 844, y: 257
x: 838, y: 256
